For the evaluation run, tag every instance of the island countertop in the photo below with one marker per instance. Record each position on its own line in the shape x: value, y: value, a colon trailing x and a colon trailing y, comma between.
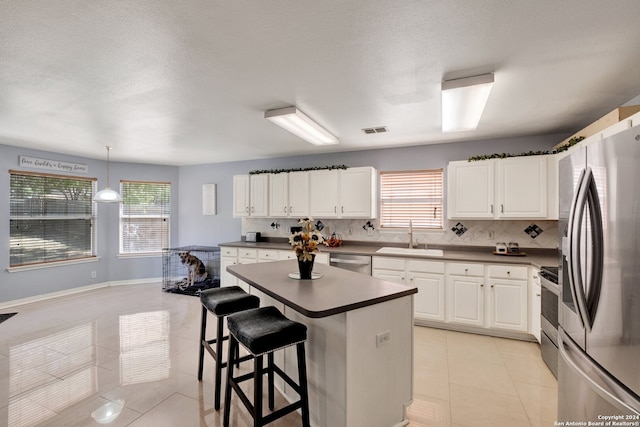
x: 337, y: 291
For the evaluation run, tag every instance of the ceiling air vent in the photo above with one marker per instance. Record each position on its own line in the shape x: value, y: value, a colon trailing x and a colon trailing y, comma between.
x: 381, y: 129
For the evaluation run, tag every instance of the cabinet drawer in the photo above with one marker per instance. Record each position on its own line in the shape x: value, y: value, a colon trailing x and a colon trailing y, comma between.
x: 248, y: 253
x: 388, y: 263
x: 460, y: 269
x: 286, y: 255
x: 267, y: 255
x: 508, y: 272
x: 426, y: 266
x: 226, y: 251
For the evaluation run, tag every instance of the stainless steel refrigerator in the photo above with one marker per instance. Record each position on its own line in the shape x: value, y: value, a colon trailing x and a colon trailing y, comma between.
x: 599, y: 313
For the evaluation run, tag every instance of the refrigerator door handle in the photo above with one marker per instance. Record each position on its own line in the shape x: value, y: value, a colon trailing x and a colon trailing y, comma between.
x: 576, y: 284
x: 598, y: 379
x: 597, y: 254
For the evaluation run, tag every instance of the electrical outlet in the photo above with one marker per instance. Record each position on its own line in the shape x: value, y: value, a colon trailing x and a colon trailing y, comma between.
x: 93, y: 274
x: 491, y: 234
x: 383, y: 338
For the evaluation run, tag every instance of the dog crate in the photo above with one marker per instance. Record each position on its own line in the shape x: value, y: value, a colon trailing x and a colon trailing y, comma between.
x: 174, y: 272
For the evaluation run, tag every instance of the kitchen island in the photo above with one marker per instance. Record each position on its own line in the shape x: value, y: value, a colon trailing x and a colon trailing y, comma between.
x: 360, y: 340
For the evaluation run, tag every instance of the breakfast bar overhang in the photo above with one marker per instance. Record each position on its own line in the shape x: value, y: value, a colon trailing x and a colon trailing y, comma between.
x: 360, y: 340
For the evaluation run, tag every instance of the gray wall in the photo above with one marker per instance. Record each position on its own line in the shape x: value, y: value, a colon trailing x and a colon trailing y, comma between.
x: 108, y: 267
x: 196, y: 229
x: 188, y: 225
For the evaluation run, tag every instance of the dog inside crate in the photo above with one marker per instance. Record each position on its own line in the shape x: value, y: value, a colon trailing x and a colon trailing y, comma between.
x: 189, y: 270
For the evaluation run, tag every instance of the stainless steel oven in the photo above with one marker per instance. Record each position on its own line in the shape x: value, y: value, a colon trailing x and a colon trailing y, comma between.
x: 549, y: 317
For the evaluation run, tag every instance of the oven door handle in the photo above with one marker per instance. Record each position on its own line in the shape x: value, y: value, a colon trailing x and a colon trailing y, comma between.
x: 550, y: 286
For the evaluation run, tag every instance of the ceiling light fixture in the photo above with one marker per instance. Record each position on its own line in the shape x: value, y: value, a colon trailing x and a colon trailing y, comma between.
x: 463, y: 101
x: 298, y: 123
x: 107, y: 195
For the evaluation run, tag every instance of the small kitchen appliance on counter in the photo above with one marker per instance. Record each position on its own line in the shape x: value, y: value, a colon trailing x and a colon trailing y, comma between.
x: 513, y: 248
x: 252, y: 236
x: 501, y: 248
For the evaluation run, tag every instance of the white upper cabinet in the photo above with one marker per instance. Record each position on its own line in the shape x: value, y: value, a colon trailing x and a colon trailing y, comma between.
x: 279, y: 194
x: 240, y: 195
x: 259, y: 195
x: 323, y: 187
x: 289, y: 195
x: 251, y: 195
x: 521, y: 187
x: 346, y: 193
x: 511, y: 188
x: 298, y: 194
x: 470, y: 189
x: 358, y: 192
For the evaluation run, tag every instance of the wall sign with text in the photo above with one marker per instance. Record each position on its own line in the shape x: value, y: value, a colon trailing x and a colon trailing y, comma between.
x: 54, y: 165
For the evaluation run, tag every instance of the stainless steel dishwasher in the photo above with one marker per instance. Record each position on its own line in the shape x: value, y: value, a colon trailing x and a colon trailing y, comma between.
x: 357, y: 263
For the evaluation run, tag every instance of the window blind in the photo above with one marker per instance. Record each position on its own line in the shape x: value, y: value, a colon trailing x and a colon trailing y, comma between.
x: 414, y: 196
x: 51, y: 218
x: 145, y: 215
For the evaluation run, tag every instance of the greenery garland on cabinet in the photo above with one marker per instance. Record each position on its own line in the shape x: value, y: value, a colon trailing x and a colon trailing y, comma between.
x: 573, y: 141
x: 257, y: 172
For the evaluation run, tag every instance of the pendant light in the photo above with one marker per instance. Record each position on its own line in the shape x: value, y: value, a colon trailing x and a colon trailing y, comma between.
x: 107, y: 195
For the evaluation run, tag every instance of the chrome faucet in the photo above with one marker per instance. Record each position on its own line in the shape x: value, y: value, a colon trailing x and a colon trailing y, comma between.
x: 410, y: 234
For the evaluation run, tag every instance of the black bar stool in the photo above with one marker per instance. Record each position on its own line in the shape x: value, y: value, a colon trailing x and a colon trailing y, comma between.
x: 221, y: 302
x: 263, y: 331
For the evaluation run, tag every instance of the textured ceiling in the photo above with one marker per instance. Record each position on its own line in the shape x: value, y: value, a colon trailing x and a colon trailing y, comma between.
x: 187, y: 82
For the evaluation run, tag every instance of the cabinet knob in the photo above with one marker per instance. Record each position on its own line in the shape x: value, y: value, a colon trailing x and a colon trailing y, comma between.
x: 491, y: 208
x: 537, y: 294
x: 482, y: 285
x: 535, y: 277
x: 502, y: 208
x: 491, y: 286
x: 466, y: 269
x: 508, y: 272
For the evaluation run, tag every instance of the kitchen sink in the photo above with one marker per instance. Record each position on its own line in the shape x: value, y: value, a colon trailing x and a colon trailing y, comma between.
x: 410, y: 251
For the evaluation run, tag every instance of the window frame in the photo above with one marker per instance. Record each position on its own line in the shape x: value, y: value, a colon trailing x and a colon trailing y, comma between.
x: 419, y: 222
x: 166, y: 216
x: 42, y: 215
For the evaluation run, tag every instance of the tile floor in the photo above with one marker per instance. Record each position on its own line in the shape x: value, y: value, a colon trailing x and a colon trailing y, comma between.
x: 136, y: 347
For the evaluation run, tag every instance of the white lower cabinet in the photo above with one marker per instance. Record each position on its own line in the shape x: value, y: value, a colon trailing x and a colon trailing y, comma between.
x: 535, y: 302
x: 508, y: 297
x: 232, y: 256
x: 493, y: 297
x: 427, y: 276
x: 228, y: 256
x: 465, y: 294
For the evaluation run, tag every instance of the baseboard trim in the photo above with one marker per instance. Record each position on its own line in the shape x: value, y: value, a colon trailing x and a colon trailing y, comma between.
x: 475, y: 330
x: 72, y: 291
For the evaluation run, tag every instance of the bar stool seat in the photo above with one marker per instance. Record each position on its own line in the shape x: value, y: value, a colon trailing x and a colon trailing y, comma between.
x: 221, y: 302
x: 263, y: 331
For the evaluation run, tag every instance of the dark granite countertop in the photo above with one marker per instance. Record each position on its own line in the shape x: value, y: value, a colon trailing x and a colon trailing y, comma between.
x: 337, y: 291
x: 534, y: 256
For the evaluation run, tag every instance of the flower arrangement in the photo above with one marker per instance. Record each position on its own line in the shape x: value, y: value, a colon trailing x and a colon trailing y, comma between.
x: 306, y: 242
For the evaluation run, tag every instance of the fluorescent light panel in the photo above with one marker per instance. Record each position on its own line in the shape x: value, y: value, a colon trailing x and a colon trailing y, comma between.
x: 299, y: 124
x: 463, y: 101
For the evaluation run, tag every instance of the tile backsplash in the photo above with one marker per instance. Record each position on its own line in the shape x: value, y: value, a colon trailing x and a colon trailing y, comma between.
x: 528, y: 234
